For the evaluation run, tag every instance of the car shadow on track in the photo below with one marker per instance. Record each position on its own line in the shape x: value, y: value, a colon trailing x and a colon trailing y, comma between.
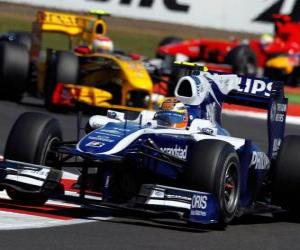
x: 54, y: 211
x: 265, y: 219
x: 183, y: 226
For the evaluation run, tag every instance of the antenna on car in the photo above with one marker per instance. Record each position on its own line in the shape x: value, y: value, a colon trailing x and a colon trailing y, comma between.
x: 125, y: 122
x: 140, y: 120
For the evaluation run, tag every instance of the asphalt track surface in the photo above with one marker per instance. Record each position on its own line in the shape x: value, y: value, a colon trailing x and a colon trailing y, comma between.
x: 251, y: 232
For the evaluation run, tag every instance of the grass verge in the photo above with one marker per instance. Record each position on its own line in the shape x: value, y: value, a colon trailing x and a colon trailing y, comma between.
x: 127, y: 40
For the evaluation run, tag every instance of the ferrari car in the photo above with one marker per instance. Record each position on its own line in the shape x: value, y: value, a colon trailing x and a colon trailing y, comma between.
x: 90, y: 72
x: 179, y: 160
x: 243, y: 56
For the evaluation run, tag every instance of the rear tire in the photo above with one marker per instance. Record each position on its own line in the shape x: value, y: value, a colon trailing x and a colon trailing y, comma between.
x: 294, y: 80
x: 243, y: 60
x: 213, y: 167
x: 170, y: 40
x: 169, y: 59
x: 30, y: 141
x: 64, y: 68
x: 287, y: 174
x: 14, y: 71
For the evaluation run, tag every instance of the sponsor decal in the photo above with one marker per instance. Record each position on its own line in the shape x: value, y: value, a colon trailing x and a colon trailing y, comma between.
x: 95, y: 144
x: 172, y: 5
x: 279, y: 118
x: 111, y: 131
x: 101, y: 134
x: 276, y: 146
x: 281, y: 107
x: 278, y: 111
x: 260, y: 161
x: 199, y: 203
x: 207, y: 131
x: 288, y: 7
x: 255, y: 87
x: 177, y: 151
x: 99, y: 138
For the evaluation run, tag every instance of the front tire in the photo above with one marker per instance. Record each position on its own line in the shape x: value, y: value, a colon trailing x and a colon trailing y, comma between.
x: 31, y: 137
x: 63, y: 68
x: 213, y: 167
x: 30, y: 141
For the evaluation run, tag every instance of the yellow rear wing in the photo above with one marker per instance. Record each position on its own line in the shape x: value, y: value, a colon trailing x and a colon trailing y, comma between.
x: 85, y: 27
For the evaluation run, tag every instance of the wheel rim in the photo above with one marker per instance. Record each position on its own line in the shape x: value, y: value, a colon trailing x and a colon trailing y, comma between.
x: 49, y: 156
x: 230, y: 188
x: 250, y: 68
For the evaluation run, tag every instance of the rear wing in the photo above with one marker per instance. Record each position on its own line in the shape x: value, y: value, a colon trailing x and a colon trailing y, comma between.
x: 261, y: 93
x: 266, y: 95
x: 72, y: 24
x: 84, y: 27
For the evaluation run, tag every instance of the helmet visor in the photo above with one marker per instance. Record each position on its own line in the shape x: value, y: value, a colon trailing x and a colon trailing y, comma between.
x: 170, y: 118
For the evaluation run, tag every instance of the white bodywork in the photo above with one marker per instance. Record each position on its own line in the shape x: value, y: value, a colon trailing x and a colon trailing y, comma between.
x: 199, y: 129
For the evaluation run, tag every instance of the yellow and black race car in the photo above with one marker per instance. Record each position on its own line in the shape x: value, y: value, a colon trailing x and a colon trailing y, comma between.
x: 63, y: 78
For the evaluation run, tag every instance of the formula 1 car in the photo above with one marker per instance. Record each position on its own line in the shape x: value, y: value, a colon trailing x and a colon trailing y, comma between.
x: 244, y: 57
x: 63, y: 78
x: 198, y: 172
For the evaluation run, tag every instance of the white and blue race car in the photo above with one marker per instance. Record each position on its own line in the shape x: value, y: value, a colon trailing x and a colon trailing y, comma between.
x: 200, y: 172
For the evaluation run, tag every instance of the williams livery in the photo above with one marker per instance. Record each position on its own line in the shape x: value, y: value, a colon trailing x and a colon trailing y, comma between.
x: 198, y: 172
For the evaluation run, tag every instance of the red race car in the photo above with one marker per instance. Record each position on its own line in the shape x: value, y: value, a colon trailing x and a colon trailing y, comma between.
x: 245, y: 57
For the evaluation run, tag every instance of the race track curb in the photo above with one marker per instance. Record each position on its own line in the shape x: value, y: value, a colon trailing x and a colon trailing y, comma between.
x: 293, y: 113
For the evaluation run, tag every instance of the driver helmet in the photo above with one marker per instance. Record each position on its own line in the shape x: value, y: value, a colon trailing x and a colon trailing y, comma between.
x: 102, y: 44
x: 172, y: 114
x: 266, y: 39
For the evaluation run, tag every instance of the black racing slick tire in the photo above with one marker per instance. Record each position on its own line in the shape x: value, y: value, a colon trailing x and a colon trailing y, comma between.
x: 294, y: 79
x: 63, y: 68
x: 170, y: 40
x: 30, y: 140
x: 213, y: 167
x: 286, y: 180
x: 243, y: 60
x: 14, y: 71
x: 23, y: 38
x: 31, y: 137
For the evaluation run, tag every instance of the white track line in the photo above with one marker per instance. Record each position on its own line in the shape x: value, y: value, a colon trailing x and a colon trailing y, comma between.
x: 295, y: 120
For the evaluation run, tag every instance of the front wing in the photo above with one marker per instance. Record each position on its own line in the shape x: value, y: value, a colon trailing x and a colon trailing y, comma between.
x: 28, y: 178
x: 70, y: 95
x: 195, y: 206
x: 190, y: 205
